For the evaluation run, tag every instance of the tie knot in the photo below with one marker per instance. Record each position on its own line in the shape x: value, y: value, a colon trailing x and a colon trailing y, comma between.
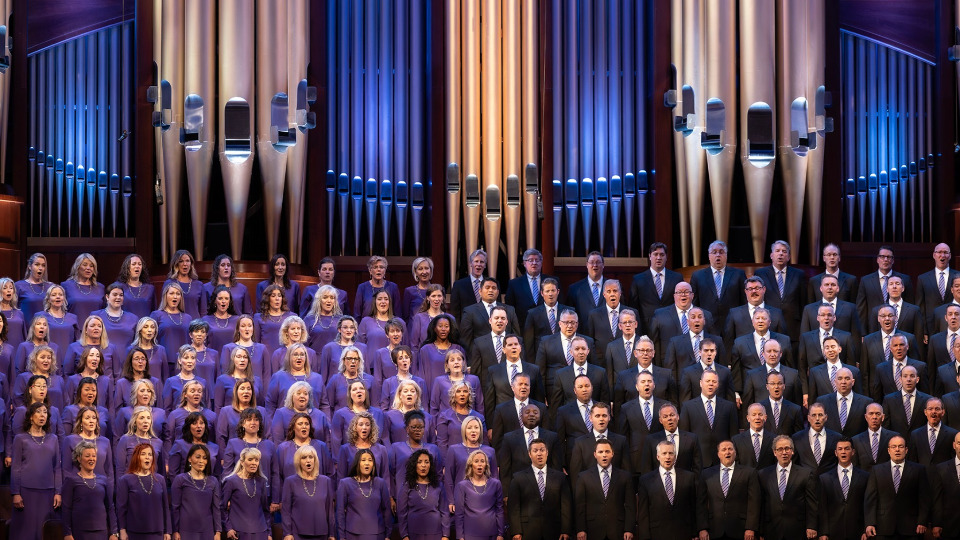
x: 726, y: 469
x: 523, y: 404
x: 843, y: 399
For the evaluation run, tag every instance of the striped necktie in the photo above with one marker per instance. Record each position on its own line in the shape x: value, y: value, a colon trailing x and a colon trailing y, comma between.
x: 605, y: 482
x: 845, y: 484
x: 668, y: 485
x: 541, y: 483
x: 725, y: 481
x: 658, y: 282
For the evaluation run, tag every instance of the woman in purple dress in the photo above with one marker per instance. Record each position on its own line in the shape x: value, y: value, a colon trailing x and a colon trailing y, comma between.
x: 32, y: 289
x: 37, y: 334
x: 350, y: 369
x: 407, y: 399
x: 138, y: 431
x: 88, y: 512
x: 208, y: 360
x: 332, y: 352
x: 191, y: 401
x: 139, y: 295
x: 86, y: 428
x: 143, y: 503
x: 424, y: 313
x: 280, y: 276
x: 222, y: 319
x: 195, y: 499
x: 455, y: 463
x: 83, y: 294
x: 243, y: 338
x: 195, y: 431
x: 183, y: 272
x: 414, y: 295
x: 117, y: 323
x: 362, y: 303
x: 450, y: 422
x: 422, y: 507
x: 41, y: 362
x: 231, y: 416
x: 86, y: 392
x: 146, y: 340
x: 64, y: 325
x: 93, y: 334
x: 238, y: 368
x: 442, y: 337
x: 308, y: 509
x: 296, y: 367
x: 248, y: 432
x: 36, y: 393
x: 299, y: 435
x: 141, y: 394
x: 135, y: 368
x: 363, y: 433
x: 173, y: 325
x: 381, y: 363
x: 478, y: 500
x: 322, y: 318
x: 246, y: 499
x: 36, y: 476
x: 373, y: 327
x: 269, y: 319
x: 224, y: 275
x: 359, y: 402
x: 415, y: 424
x: 326, y: 271
x: 14, y: 320
x: 401, y: 360
x: 6, y: 361
x: 301, y: 399
x: 454, y: 367
x: 363, y: 501
x: 292, y: 331
x: 173, y: 387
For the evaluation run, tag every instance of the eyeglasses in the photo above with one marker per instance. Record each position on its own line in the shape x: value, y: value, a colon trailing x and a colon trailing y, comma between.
x: 754, y: 289
x: 885, y: 257
x: 683, y: 293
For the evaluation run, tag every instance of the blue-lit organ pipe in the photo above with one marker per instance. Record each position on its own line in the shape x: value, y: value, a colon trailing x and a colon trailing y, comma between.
x: 114, y: 126
x: 719, y: 137
x: 871, y: 118
x: 557, y: 114
x: 385, y: 142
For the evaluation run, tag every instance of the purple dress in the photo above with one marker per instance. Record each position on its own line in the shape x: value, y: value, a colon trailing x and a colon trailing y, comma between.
x: 139, y: 300
x: 388, y: 390
x: 104, y: 466
x: 330, y: 358
x: 259, y: 359
x: 413, y: 297
x: 7, y: 366
x: 124, y: 450
x: 109, y: 357
x: 208, y: 365
x: 120, y: 329
x: 423, y: 512
x: 55, y: 390
x: 431, y: 361
x: 82, y: 300
x: 228, y: 419
x: 481, y: 509
x: 223, y: 391
x: 363, y: 301
x: 221, y: 331
x: 143, y: 506
x: 448, y: 428
x: 177, y: 458
x: 283, y: 464
x: 122, y: 418
x: 121, y: 392
x: 172, y: 332
x: 276, y: 359
x: 266, y: 330
x: 88, y: 512
x: 371, y: 332
x: 240, y: 294
x: 173, y: 428
x: 16, y: 327
x: 16, y: 425
x: 30, y: 297
x: 195, y: 507
x: 24, y: 351
x: 63, y: 330
x: 381, y: 366
x: 245, y: 506
x: 306, y: 300
x: 419, y: 322
x: 281, y: 383
x: 400, y: 453
x: 281, y: 422
x: 291, y: 294
x: 194, y: 297
x: 234, y: 446
x: 455, y: 464
x: 398, y: 432
x: 320, y: 330
x: 440, y: 393
x: 173, y: 390
x: 156, y: 359
x: 69, y: 416
x: 36, y: 476
x: 337, y: 389
x: 340, y: 433
x: 363, y: 510
x: 381, y: 455
x: 308, y: 512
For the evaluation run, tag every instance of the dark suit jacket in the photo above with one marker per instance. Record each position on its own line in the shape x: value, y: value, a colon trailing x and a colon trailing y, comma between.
x: 883, y: 383
x: 482, y: 356
x: 643, y: 294
x: 791, y: 418
x: 693, y: 418
x: 582, y: 457
x: 688, y: 455
x: 665, y: 325
x: 615, y: 358
x: 871, y: 353
x: 864, y: 456
x: 897, y: 511
x: 919, y: 445
x: 928, y: 295
x: 810, y: 353
x: 569, y: 425
x: 743, y: 442
x: 505, y: 419
x: 519, y: 296
x: 680, y: 353
x: 946, y: 380
x: 818, y: 383
x: 951, y: 409
x: 790, y: 517
x: 896, y: 419
x: 690, y: 382
x: 536, y: 518
x: 794, y: 295
x: 563, y: 383
x: 461, y: 296
x: 755, y: 385
x: 625, y: 389
x: 731, y: 293
x: 937, y: 352
x: 939, y: 322
x: 598, y: 327
x: 847, y: 318
x: 605, y: 517
x: 739, y: 323
x: 580, y: 298
x: 869, y: 295
x: 803, y: 452
x: 729, y: 516
x: 909, y: 319
x: 513, y: 455
x: 848, y: 287
x: 842, y: 518
x: 475, y: 322
x: 944, y: 492
x: 685, y: 517
x: 551, y: 357
x: 537, y: 326
x: 497, y: 390
x: 856, y: 409
x: 632, y: 425
x: 744, y: 356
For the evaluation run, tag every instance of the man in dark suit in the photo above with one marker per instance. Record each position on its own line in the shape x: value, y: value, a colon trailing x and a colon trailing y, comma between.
x: 513, y: 454
x: 933, y: 287
x: 583, y: 448
x: 784, y: 417
x: 671, y: 502
x: 603, y: 323
x: 587, y: 294
x: 543, y: 320
x: 788, y: 286
x: 884, y: 380
x: 475, y: 321
x: 811, y: 343
x: 710, y: 417
x: 951, y: 407
x: 466, y: 291
x: 939, y: 344
x: 605, y: 514
x: 640, y: 417
x: 651, y: 288
x: 674, y: 320
x: 690, y: 378
x: 747, y: 350
x: 506, y: 416
x: 846, y: 316
x: 565, y: 380
x: 932, y: 444
x: 939, y: 312
x: 908, y: 316
x: 944, y: 491
x: 844, y: 407
x: 820, y: 379
x: 848, y: 282
x: 718, y: 288
x: 877, y: 348
x: 498, y: 385
x: 873, y: 286
x: 535, y: 515
x: 625, y: 388
x: 523, y: 292
x: 897, y: 500
x: 571, y: 419
x: 755, y: 380
x: 688, y: 446
x: 486, y: 350
x: 556, y: 351
x: 740, y: 319
x: 790, y: 512
x: 755, y: 445
x: 896, y: 404
x: 618, y: 355
x: 841, y: 497
x: 733, y: 496
x: 814, y: 446
x: 682, y: 349
x: 871, y: 444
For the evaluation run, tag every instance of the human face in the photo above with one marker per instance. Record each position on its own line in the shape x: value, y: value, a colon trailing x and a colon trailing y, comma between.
x: 415, y: 429
x: 941, y: 256
x: 707, y: 353
x: 89, y: 421
x: 775, y: 386
x: 56, y: 296
x: 756, y: 417
x: 708, y: 384
x: 771, y: 353
x: 139, y: 362
x: 780, y: 255
x: 251, y: 426
x: 489, y: 291
x: 479, y: 464
x: 498, y: 320
x: 887, y: 319
x: 583, y: 389
x: 251, y: 464
x: 38, y: 268
x: 348, y: 329
x: 817, y: 417
x: 530, y: 416
x: 377, y: 271
x: 246, y: 328
x: 358, y: 393
x: 477, y: 265
x: 898, y: 348
x: 783, y: 451
x: 874, y: 416
x: 718, y: 257
x: 611, y: 294
x: 683, y: 295
x: 301, y: 398
x: 115, y: 298
x: 644, y: 352
x: 223, y: 302
x: 38, y: 392
x: 326, y: 273
x: 600, y: 418
x: 88, y: 460
x: 443, y: 329
x: 727, y: 453
x: 295, y: 333
x: 645, y: 385
x: 403, y: 362
x: 241, y: 359
x: 844, y: 380
x: 188, y: 362
x: 280, y: 268
x: 144, y: 395
x: 298, y: 359
x: 831, y: 257
x: 628, y: 324
x: 953, y: 318
x: 225, y: 269
x: 956, y: 444
x: 761, y: 322
x: 197, y: 429
x: 198, y: 337
x: 85, y: 271
x: 194, y: 394
x: 550, y: 294
x: 603, y: 453
x: 184, y: 264
x: 364, y: 429
x: 88, y: 394
x: 436, y: 299
x: 93, y: 360
x: 275, y: 300
x: 895, y: 288
x: 149, y: 330
x: 826, y: 318
x: 382, y: 302
x: 666, y: 455
x: 568, y: 325
x: 669, y: 418
x: 423, y: 465
x: 580, y: 351
x: 844, y: 452
x: 755, y: 292
x: 6, y: 292
x: 146, y: 459
x: 521, y: 388
x: 885, y: 260
x: 897, y: 448
x: 829, y: 288
x: 302, y: 428
x: 934, y: 412
x: 351, y: 363
x: 595, y: 267
x: 955, y: 288
x: 44, y: 361
x: 696, y: 320
x: 511, y: 348
x: 532, y: 264
x: 198, y: 461
x: 472, y: 430
x: 308, y: 464
x: 94, y: 330
x: 461, y: 396
x: 423, y: 272
x: 136, y: 267
x: 40, y: 328
x: 658, y: 259
x: 327, y: 302
x: 244, y: 393
x: 831, y: 350
x: 538, y: 455
x: 144, y: 421
x: 455, y: 364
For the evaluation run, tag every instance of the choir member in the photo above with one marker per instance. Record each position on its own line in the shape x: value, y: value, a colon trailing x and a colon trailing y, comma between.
x: 246, y: 499
x: 478, y: 500
x: 32, y: 289
x: 139, y: 295
x: 363, y: 434
x: 228, y: 418
x: 280, y: 276
x: 135, y: 368
x: 183, y: 273
x: 88, y: 512
x: 93, y: 334
x: 422, y: 507
x: 142, y: 393
x: 143, y: 503
x: 83, y: 295
x: 243, y: 339
x: 269, y: 319
x: 196, y: 430
x: 373, y: 327
x: 195, y: 499
x: 224, y: 275
x: 363, y: 501
x: 173, y: 324
x: 41, y: 362
x: 145, y: 339
x: 36, y: 475
x: 331, y: 353
x: 238, y: 368
x: 309, y: 507
x: 454, y: 367
x: 14, y: 320
x: 248, y: 432
x: 415, y: 295
x: 64, y: 326
x: 456, y: 463
x: 443, y: 336
x: 299, y: 434
x: 377, y: 266
x: 296, y: 367
x: 222, y: 318
x: 86, y: 395
x: 139, y: 431
x: 208, y: 360
x: 326, y: 271
x: 300, y: 399
x: 86, y: 429
x: 323, y: 317
x: 460, y: 406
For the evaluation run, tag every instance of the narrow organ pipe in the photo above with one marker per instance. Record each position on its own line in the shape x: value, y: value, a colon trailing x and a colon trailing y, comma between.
x: 453, y: 113
x: 470, y: 30
x: 171, y: 76
x: 693, y: 77
x: 721, y: 31
x: 530, y: 84
x: 512, y: 110
x: 298, y: 58
x: 676, y: 55
x: 157, y: 139
x: 491, y: 127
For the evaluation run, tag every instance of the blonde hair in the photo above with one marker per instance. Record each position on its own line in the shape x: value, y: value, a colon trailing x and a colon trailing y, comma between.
x: 374, y: 428
x: 396, y: 395
x: 76, y: 267
x: 306, y: 450
x: 243, y: 456
x: 104, y: 341
x: 468, y: 474
x: 135, y: 415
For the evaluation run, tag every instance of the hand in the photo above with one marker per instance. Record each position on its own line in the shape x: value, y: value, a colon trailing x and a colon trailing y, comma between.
x: 123, y: 535
x: 739, y: 402
x: 747, y: 535
x: 811, y: 534
x: 453, y: 509
x: 393, y: 505
x: 232, y: 534
x: 921, y: 529
x: 871, y: 531
x: 704, y: 535
x: 176, y: 536
x: 166, y: 537
x: 274, y: 507
x: 216, y: 535
x: 581, y: 535
x: 18, y: 502
x: 7, y: 461
x: 628, y: 536
x: 806, y: 399
x: 937, y: 531
x: 56, y: 501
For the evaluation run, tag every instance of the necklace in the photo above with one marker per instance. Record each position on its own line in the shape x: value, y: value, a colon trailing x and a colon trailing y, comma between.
x: 143, y: 487
x: 31, y: 284
x: 274, y: 318
x: 244, y: 480
x: 94, y: 486
x: 226, y: 322
x: 194, y: 482
x: 307, y: 491
x: 360, y: 487
x: 58, y: 320
x: 329, y: 324
x: 111, y: 318
x: 189, y: 286
x: 80, y: 288
x: 135, y: 291
x: 43, y: 439
x: 177, y: 322
x: 411, y: 447
x: 424, y: 494
x: 475, y: 488
x: 461, y: 418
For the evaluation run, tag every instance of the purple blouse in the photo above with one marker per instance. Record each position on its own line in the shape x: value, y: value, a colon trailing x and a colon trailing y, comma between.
x: 55, y: 390
x: 400, y: 453
x: 139, y: 300
x: 7, y: 366
x: 268, y: 453
x: 156, y: 359
x: 398, y: 432
x: 371, y: 332
x: 337, y: 389
x: 172, y: 332
x: 364, y: 509
x: 431, y: 361
x: 121, y: 420
x: 276, y: 359
x: 143, y: 504
x: 281, y: 422
x: 266, y: 330
x: 448, y: 428
x: 330, y: 358
x: 82, y: 300
x: 124, y: 450
x: 291, y: 294
x: 423, y: 511
x: 381, y: 456
x: 36, y: 463
x: 120, y: 329
x: 240, y: 294
x: 109, y: 357
x: 283, y: 464
x: 208, y: 365
x: 440, y: 393
x: 223, y: 391
x: 173, y: 428
x: 177, y: 459
x: 221, y: 331
x: 30, y: 297
x: 69, y: 416
x: 195, y: 506
x: 63, y: 330
x: 173, y: 391
x: 121, y: 392
x: 16, y: 327
x: 363, y: 302
x: 245, y: 504
x: 228, y: 419
x: 388, y: 390
x: 281, y: 383
x: 413, y: 297
x: 481, y: 508
x: 455, y: 465
x: 419, y: 322
x: 306, y: 300
x: 104, y: 466
x: 88, y: 509
x: 259, y: 359
x: 340, y: 432
x: 306, y: 511
x: 23, y: 352
x: 194, y: 297
x: 320, y: 330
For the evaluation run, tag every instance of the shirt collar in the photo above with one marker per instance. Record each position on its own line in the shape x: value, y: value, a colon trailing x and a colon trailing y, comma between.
x: 882, y: 275
x: 664, y: 471
x: 536, y: 470
x: 787, y: 468
x: 606, y: 434
x: 704, y: 399
x: 608, y: 468
x: 598, y: 283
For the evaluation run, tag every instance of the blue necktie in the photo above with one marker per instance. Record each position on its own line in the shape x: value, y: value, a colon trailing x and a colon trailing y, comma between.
x: 710, y: 412
x: 817, y: 448
x: 725, y: 481
x: 780, y: 282
x: 684, y: 327
x: 647, y: 415
x: 896, y: 478
x: 535, y: 290
x: 541, y: 483
x: 782, y: 484
x: 605, y: 482
x: 886, y: 295
x: 756, y: 446
x: 553, y: 320
x: 596, y: 294
x: 658, y: 282
x: 843, y: 412
x: 845, y: 484
x: 717, y: 281
x: 668, y: 486
x: 498, y: 347
x: 942, y: 285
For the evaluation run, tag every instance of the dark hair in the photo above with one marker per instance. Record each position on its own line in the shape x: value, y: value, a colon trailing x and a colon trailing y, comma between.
x: 124, y: 275
x: 658, y: 245
x: 198, y: 324
x: 395, y: 353
x: 265, y: 298
x: 83, y: 382
x: 215, y: 274
x: 33, y: 379
x: 187, y: 434
x: 78, y: 421
x: 206, y: 452
x: 3, y: 331
x: 538, y: 440
x: 355, y: 464
x: 212, y: 308
x: 326, y: 260
x: 411, y: 475
x: 286, y: 275
x: 28, y: 417
x: 81, y: 362
x: 413, y: 415
x: 553, y: 281
x: 293, y: 422
x: 454, y: 336
x: 245, y: 415
x: 128, y: 364
x: 490, y: 278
